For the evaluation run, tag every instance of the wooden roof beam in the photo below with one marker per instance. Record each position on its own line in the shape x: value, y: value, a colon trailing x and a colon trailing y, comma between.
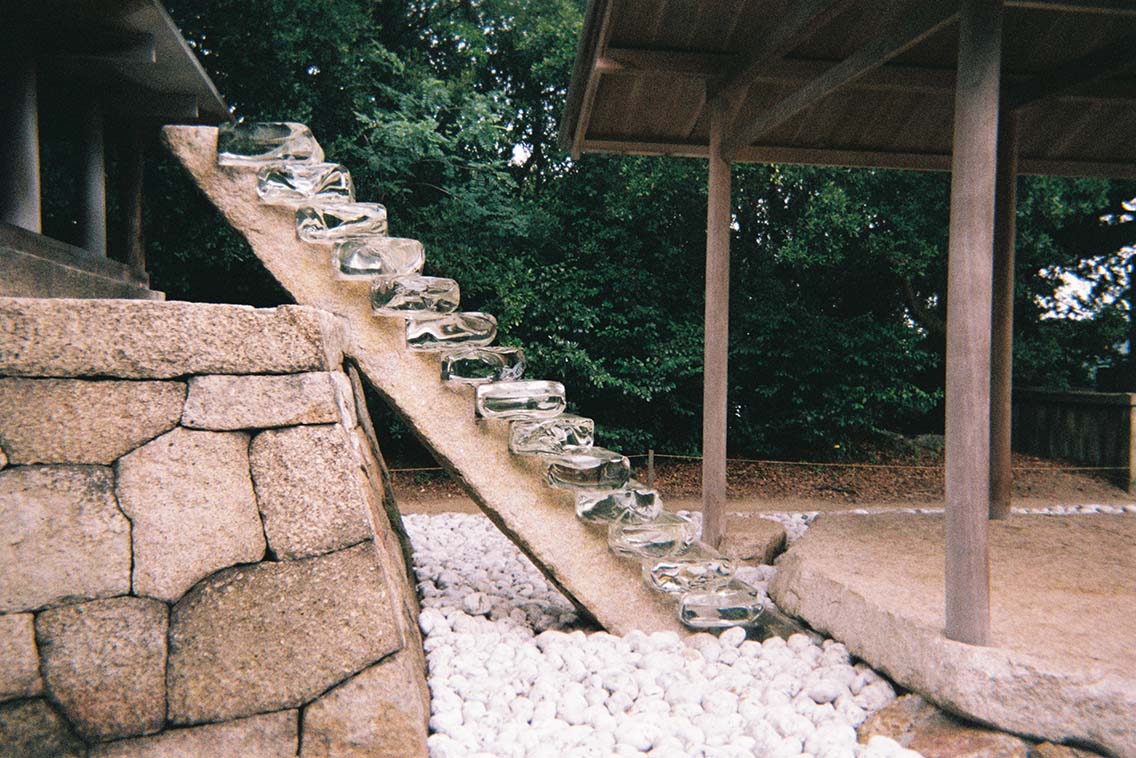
x: 1100, y: 7
x: 700, y: 65
x: 1096, y: 65
x: 803, y: 18
x: 908, y: 26
x: 598, y: 45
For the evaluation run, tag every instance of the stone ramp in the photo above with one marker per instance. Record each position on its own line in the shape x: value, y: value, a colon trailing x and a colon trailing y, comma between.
x: 540, y: 520
x: 1062, y: 665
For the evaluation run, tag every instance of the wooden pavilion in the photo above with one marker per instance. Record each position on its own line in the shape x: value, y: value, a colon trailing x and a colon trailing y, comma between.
x: 112, y: 71
x: 985, y: 89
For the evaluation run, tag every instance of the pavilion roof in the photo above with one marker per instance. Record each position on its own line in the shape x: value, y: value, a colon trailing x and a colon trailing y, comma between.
x: 850, y: 82
x: 128, y: 52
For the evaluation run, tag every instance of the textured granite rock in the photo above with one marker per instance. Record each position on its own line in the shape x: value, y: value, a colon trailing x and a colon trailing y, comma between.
x: 1050, y: 750
x: 190, y: 499
x: 224, y: 402
x: 135, y: 339
x: 378, y: 713
x: 875, y: 582
x: 269, y: 735
x: 751, y: 539
x: 33, y: 729
x: 918, y: 725
x: 77, y: 421
x: 62, y: 536
x: 104, y: 662
x: 310, y: 489
x: 276, y: 635
x: 19, y: 661
x: 540, y: 520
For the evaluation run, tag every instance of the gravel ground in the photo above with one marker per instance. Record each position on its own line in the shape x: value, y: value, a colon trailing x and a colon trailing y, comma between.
x: 513, y: 672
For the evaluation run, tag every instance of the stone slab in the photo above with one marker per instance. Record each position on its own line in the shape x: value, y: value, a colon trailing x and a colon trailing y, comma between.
x: 62, y: 536
x: 1062, y: 664
x: 19, y: 660
x: 270, y: 735
x: 1050, y: 750
x: 918, y: 725
x: 131, y: 339
x: 378, y: 713
x: 77, y: 421
x: 276, y: 635
x: 510, y: 489
x: 190, y: 499
x: 104, y: 663
x: 228, y: 402
x: 751, y: 539
x: 310, y: 490
x: 32, y: 728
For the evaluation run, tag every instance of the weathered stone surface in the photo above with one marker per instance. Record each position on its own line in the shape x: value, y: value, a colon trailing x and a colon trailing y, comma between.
x: 1049, y: 750
x: 270, y: 735
x: 875, y: 582
x: 190, y: 498
x: 918, y: 725
x: 104, y: 662
x: 378, y: 713
x: 259, y: 402
x: 309, y: 486
x: 3, y: 459
x: 750, y: 539
x: 541, y: 521
x: 160, y: 340
x: 19, y: 661
x: 76, y: 421
x: 32, y: 728
x: 61, y: 536
x: 276, y: 635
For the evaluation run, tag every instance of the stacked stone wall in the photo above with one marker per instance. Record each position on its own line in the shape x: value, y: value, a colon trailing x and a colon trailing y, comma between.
x: 199, y: 556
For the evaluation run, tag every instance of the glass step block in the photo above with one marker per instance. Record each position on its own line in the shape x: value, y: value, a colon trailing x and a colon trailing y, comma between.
x: 587, y: 468
x: 411, y: 295
x: 699, y: 568
x: 632, y: 537
x: 252, y: 143
x: 482, y: 365
x: 379, y: 256
x: 598, y: 507
x: 432, y: 334
x: 734, y: 604
x: 293, y: 184
x: 338, y: 221
x: 531, y: 399
x: 553, y: 435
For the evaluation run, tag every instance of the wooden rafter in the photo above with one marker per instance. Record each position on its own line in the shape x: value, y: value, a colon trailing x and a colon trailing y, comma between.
x: 1100, y: 7
x: 599, y: 43
x: 908, y: 28
x: 1099, y: 64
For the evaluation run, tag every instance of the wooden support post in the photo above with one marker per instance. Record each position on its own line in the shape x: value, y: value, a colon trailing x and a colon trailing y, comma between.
x: 92, y: 183
x: 716, y: 356
x: 969, y: 301
x: 20, y: 203
x: 651, y: 468
x: 134, y: 161
x: 1002, y: 326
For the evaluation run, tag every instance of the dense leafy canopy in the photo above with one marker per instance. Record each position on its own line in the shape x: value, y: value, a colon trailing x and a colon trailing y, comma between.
x: 446, y: 111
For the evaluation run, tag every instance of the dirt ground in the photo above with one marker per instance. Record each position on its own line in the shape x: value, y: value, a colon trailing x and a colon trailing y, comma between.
x: 913, y: 478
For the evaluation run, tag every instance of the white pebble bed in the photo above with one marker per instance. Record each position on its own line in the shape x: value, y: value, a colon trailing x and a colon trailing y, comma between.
x: 512, y: 673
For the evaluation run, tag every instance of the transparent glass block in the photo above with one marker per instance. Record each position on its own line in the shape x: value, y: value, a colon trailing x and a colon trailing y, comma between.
x: 339, y: 221
x: 733, y: 604
x: 252, y: 143
x: 379, y: 256
x: 508, y: 401
x: 293, y: 184
x: 412, y: 294
x: 482, y: 365
x: 553, y: 435
x: 587, y: 468
x: 632, y: 537
x: 699, y: 568
x: 431, y: 334
x: 640, y: 502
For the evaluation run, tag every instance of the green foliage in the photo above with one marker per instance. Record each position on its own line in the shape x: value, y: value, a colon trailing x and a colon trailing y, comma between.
x: 447, y: 110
